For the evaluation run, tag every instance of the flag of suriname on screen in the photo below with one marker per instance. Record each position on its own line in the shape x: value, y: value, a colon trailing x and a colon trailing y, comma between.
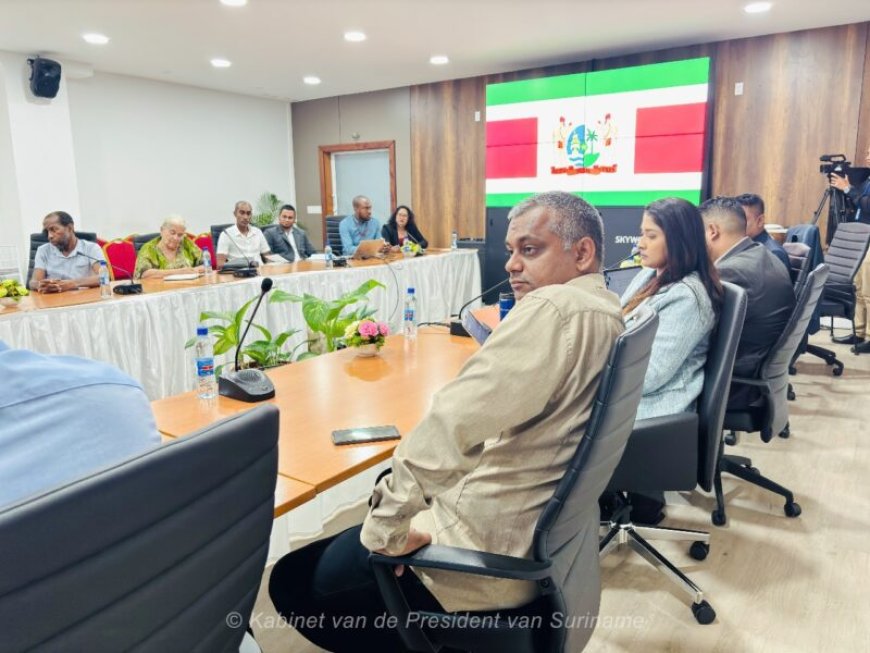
x: 620, y: 137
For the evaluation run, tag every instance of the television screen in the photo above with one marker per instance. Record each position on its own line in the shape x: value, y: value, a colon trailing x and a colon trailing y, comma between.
x: 618, y: 138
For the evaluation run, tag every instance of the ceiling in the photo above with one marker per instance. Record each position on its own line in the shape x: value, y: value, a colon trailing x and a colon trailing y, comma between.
x: 272, y: 44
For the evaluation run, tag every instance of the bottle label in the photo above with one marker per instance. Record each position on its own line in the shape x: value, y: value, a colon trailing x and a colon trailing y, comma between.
x: 205, y: 367
x: 409, y: 314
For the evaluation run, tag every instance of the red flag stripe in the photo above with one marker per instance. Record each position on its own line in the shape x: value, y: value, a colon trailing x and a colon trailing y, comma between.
x: 671, y: 120
x: 521, y: 131
x: 512, y: 148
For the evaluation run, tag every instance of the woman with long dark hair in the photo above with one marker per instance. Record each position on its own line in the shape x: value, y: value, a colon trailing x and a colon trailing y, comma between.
x: 682, y: 285
x: 401, y: 226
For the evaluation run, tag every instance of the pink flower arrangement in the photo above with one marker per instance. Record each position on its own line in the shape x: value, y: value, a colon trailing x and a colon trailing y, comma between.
x: 366, y: 332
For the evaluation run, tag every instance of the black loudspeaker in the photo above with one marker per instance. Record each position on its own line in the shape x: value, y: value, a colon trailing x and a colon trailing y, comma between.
x: 44, y: 77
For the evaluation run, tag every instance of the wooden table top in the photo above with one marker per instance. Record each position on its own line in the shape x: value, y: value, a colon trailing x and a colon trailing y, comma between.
x: 37, y: 301
x: 337, y: 391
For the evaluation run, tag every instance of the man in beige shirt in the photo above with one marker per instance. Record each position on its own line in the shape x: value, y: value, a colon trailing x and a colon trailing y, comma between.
x: 478, y: 469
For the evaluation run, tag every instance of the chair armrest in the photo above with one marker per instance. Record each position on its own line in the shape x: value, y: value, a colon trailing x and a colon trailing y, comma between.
x: 468, y: 561
x: 761, y: 384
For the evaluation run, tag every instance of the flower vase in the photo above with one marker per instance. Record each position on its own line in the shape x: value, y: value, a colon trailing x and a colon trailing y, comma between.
x: 367, y: 350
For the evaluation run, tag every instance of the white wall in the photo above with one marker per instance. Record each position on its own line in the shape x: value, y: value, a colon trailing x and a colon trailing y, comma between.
x: 145, y: 149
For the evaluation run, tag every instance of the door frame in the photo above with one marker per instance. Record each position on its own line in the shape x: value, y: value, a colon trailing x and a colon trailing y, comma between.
x: 325, y: 153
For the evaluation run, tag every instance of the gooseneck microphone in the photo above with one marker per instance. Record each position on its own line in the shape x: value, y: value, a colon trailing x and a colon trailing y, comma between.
x: 241, y: 272
x: 456, y: 328
x: 634, y: 252
x: 128, y: 289
x: 248, y: 385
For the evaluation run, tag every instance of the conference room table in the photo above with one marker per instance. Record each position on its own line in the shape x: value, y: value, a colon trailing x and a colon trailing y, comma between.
x: 145, y: 334
x: 316, y: 396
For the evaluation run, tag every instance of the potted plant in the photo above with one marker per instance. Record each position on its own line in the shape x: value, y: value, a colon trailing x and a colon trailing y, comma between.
x: 367, y: 336
x: 269, y: 351
x: 268, y: 208
x: 327, y: 320
x: 11, y: 292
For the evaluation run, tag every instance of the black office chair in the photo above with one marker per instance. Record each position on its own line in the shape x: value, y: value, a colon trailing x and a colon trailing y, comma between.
x: 39, y: 239
x: 769, y: 414
x: 333, y: 236
x: 679, y: 452
x: 151, y: 554
x: 844, y: 257
x: 141, y: 239
x: 799, y: 264
x: 564, y: 559
x: 216, y: 231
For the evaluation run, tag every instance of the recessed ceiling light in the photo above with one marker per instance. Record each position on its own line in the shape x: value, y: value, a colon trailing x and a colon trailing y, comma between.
x: 757, y: 7
x: 354, y: 37
x: 221, y: 63
x: 312, y: 80
x: 234, y: 3
x: 95, y: 39
x: 439, y: 59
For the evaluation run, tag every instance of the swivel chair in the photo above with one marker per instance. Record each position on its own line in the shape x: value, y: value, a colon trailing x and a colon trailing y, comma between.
x: 769, y: 414
x: 39, y: 239
x: 145, y: 555
x: 564, y: 552
x: 332, y: 234
x: 679, y: 452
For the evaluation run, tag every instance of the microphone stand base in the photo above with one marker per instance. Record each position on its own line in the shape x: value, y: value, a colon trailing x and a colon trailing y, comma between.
x: 128, y: 289
x: 456, y: 328
x: 246, y: 385
x: 244, y: 273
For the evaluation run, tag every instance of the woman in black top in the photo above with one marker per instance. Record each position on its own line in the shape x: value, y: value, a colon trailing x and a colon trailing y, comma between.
x: 402, y: 225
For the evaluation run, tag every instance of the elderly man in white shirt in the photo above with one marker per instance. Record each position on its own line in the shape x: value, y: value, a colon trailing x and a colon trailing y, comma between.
x: 243, y: 241
x: 65, y: 262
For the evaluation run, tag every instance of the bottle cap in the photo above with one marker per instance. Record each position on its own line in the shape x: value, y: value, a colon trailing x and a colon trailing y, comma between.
x: 202, y: 330
x: 410, y: 291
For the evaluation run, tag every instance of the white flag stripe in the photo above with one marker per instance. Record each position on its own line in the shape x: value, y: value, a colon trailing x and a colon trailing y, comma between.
x: 595, y: 183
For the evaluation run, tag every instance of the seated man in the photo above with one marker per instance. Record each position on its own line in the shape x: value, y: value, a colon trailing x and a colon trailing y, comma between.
x: 478, y: 469
x: 287, y: 240
x: 753, y: 207
x: 242, y: 241
x: 64, y: 417
x: 359, y: 227
x: 65, y: 262
x: 769, y: 292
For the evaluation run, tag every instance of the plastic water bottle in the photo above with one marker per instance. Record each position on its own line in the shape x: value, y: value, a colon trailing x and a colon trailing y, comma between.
x: 454, y: 240
x: 406, y: 249
x: 327, y: 252
x: 206, y: 264
x: 105, y: 284
x: 409, y: 318
x: 206, y: 385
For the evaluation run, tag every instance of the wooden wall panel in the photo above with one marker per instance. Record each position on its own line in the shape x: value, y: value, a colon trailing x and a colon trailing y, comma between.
x: 802, y: 95
x: 864, y: 114
x: 447, y: 159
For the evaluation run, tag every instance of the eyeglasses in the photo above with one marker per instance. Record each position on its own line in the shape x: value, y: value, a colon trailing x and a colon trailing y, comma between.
x: 244, y: 212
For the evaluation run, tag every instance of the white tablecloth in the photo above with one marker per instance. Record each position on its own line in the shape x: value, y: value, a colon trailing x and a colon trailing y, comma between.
x: 145, y: 335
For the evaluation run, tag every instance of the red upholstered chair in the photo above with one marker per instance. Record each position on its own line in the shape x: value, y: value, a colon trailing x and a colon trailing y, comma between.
x: 120, y: 253
x: 204, y: 242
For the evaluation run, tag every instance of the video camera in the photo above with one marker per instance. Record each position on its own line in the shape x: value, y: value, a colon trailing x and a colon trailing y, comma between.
x: 834, y: 164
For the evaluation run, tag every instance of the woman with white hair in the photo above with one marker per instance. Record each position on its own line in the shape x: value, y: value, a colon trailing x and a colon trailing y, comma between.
x: 172, y: 252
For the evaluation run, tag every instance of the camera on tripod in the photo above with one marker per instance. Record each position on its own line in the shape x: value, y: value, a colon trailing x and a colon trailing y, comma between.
x: 834, y: 164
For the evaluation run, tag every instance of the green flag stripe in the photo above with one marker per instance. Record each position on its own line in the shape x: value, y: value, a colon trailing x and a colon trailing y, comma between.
x: 620, y: 80
x: 603, y: 198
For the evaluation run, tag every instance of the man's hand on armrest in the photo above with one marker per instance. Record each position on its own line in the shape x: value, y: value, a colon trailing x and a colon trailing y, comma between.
x: 416, y: 540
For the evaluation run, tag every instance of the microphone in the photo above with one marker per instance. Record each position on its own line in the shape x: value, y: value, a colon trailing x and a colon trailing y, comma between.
x: 248, y: 385
x: 456, y: 328
x: 129, y: 289
x: 634, y: 252
x: 249, y: 271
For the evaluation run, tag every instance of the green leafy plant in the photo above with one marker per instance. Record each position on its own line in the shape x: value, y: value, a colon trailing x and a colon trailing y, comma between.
x: 268, y: 208
x: 269, y: 351
x: 328, y: 317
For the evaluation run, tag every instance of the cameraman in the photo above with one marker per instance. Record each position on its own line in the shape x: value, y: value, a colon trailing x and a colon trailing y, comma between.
x: 861, y: 199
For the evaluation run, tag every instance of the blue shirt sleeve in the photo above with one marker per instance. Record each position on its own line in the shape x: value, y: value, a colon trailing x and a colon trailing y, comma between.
x: 347, y: 246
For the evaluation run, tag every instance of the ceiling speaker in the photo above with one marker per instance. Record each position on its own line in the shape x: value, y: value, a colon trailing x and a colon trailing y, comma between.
x: 44, y: 77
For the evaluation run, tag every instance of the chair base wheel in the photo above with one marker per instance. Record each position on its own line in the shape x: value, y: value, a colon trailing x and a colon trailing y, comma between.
x: 718, y: 517
x: 792, y: 509
x: 704, y: 613
x: 791, y: 395
x: 786, y: 432
x: 838, y: 370
x: 730, y: 439
x: 699, y: 550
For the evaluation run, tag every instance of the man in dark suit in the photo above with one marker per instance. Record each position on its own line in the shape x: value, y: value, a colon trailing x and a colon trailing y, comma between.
x: 753, y: 207
x: 750, y: 265
x: 287, y: 240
